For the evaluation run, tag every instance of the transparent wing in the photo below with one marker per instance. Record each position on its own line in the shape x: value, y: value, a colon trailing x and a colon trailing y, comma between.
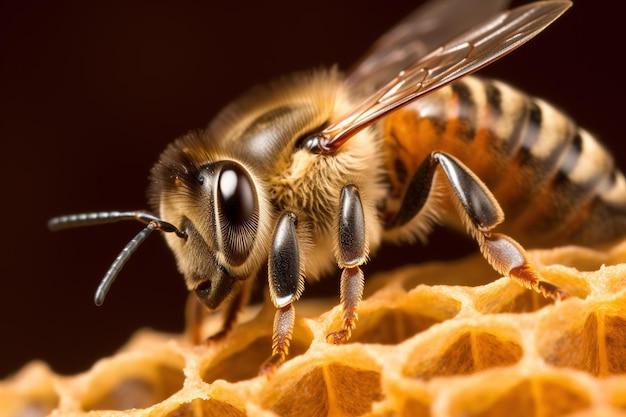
x: 419, y: 33
x: 463, y: 55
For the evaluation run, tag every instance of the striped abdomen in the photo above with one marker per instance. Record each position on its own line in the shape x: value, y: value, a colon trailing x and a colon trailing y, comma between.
x: 554, y: 181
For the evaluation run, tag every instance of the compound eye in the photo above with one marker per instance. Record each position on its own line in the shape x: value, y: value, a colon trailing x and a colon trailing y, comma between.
x: 236, y: 196
x: 238, y: 212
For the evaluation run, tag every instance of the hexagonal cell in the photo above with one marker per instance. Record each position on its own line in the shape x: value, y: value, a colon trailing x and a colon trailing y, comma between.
x: 346, y: 382
x: 574, y: 281
x: 586, y: 337
x: 205, y: 408
x: 244, y: 361
x: 39, y: 407
x: 464, y: 350
x: 29, y: 393
x: 135, y: 381
x: 389, y: 326
x: 390, y: 322
x: 470, y: 271
x: 510, y: 395
x: 507, y: 296
x: 405, y: 397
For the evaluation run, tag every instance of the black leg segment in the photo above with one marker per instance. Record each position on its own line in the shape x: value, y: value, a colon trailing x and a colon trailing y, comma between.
x: 284, y: 262
x: 480, y: 205
x: 351, y: 228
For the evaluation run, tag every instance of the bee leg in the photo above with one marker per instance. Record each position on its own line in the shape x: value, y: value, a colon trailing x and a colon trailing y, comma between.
x: 230, y: 314
x: 195, y: 312
x: 352, y: 252
x: 286, y: 283
x: 481, y: 212
x: 283, y: 329
x: 194, y: 316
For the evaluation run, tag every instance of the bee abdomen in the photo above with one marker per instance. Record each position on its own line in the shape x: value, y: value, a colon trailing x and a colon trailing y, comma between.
x: 560, y: 185
x: 553, y: 179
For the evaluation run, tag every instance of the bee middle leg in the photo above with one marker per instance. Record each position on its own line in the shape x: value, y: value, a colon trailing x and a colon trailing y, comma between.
x: 480, y: 213
x: 351, y: 254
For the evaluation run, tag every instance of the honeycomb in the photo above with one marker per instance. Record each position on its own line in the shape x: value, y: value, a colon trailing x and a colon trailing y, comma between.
x: 424, y: 346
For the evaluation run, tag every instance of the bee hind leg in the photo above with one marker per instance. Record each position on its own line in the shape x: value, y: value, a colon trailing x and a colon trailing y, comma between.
x: 480, y: 213
x: 352, y: 252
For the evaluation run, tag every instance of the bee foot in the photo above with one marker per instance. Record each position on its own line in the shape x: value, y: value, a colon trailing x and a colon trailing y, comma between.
x: 552, y: 291
x: 216, y: 338
x: 271, y: 365
x: 339, y: 337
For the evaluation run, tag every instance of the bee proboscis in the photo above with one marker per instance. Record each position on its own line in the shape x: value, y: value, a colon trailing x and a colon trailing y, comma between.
x: 313, y: 171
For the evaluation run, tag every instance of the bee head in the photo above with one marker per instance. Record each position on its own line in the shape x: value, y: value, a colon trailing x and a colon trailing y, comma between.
x: 216, y: 203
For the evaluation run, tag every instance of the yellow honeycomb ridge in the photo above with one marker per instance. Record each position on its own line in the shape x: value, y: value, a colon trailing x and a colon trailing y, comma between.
x: 423, y: 347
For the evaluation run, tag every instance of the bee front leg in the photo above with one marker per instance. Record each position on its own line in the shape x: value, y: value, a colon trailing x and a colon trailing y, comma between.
x: 352, y: 253
x: 481, y: 212
x: 196, y: 312
x: 286, y: 283
x: 231, y: 312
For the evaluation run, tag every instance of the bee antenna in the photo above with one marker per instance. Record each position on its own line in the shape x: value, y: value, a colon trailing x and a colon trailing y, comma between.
x: 88, y: 219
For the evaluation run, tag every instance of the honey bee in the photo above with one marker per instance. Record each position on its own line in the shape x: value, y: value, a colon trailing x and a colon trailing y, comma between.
x: 312, y: 172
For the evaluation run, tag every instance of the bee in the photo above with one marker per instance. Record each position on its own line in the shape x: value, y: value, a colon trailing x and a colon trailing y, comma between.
x: 312, y: 172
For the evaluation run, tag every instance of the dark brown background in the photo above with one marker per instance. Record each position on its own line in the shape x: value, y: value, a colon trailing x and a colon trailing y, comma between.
x: 91, y: 92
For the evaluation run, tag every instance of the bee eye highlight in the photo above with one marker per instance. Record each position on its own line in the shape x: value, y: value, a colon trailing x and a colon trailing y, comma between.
x: 236, y: 196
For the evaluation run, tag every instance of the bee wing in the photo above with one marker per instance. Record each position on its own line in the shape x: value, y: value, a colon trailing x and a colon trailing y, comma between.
x: 419, y: 33
x: 462, y: 55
